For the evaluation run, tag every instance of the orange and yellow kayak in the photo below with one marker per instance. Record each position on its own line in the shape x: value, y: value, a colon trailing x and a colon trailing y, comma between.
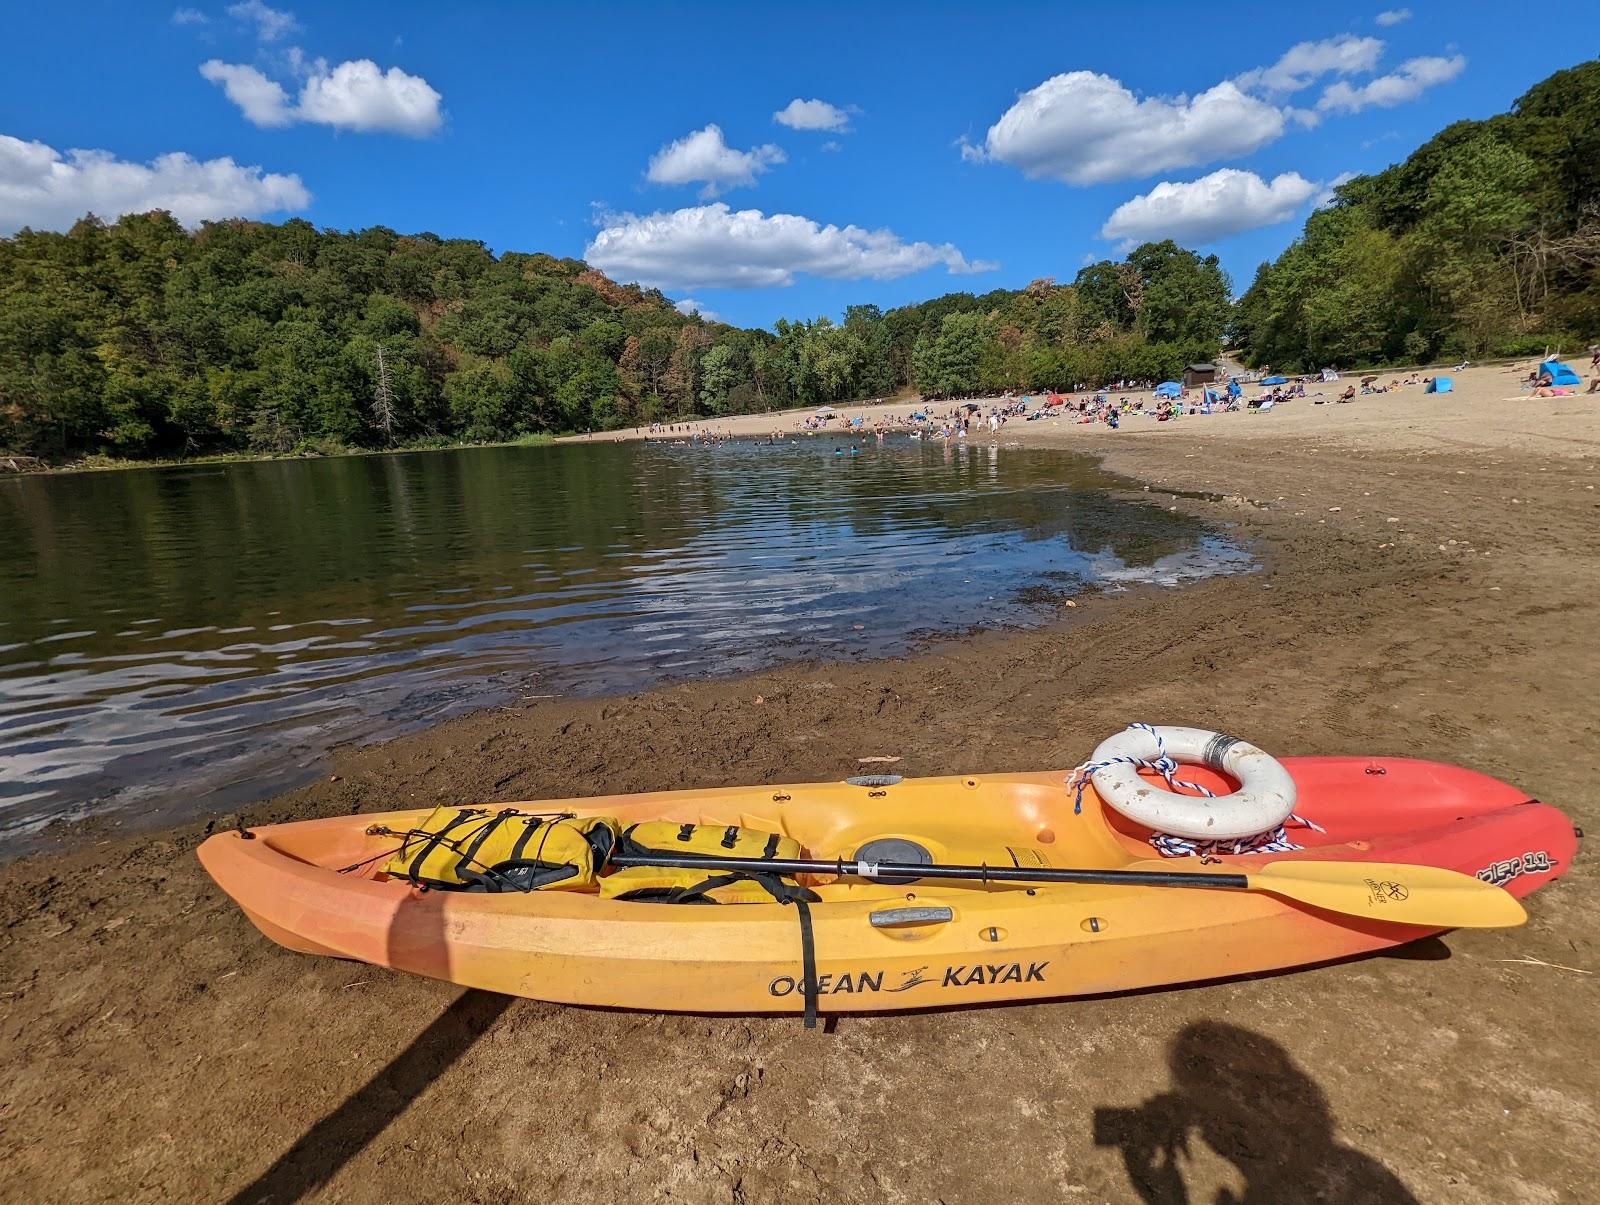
x: 319, y: 887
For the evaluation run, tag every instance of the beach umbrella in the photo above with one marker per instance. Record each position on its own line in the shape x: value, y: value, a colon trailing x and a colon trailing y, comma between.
x: 1558, y: 373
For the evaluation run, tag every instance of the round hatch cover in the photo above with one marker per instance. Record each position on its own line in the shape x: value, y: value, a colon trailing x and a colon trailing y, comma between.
x: 894, y: 849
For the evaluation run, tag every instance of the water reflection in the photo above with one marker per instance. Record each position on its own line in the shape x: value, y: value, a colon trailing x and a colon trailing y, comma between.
x: 213, y: 629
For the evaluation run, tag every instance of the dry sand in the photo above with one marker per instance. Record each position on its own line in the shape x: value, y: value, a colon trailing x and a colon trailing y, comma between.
x: 1430, y: 571
x: 1487, y: 408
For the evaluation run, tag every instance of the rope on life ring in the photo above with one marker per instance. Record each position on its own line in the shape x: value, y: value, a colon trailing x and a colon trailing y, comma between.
x: 1264, y: 801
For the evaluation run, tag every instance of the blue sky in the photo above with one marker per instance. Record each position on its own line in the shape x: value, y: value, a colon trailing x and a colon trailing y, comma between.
x: 956, y: 147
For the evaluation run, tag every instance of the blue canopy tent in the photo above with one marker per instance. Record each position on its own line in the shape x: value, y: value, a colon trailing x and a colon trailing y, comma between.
x: 1169, y: 389
x: 1560, y: 374
x: 1276, y: 381
x: 1440, y: 385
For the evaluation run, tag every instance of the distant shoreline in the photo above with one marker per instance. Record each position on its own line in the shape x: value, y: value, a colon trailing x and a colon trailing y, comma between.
x: 745, y: 425
x: 106, y: 464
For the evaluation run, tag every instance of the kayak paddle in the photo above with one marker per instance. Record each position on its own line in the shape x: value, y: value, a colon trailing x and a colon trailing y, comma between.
x: 1393, y: 892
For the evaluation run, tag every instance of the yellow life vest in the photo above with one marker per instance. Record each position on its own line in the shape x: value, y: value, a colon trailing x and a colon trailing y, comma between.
x: 670, y: 885
x: 485, y: 849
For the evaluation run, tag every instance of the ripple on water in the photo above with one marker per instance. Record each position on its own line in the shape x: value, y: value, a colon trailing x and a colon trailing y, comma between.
x: 382, y: 593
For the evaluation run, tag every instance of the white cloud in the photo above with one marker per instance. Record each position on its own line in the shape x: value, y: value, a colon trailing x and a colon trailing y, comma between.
x: 271, y: 23
x: 189, y: 16
x: 831, y: 146
x: 1414, y: 77
x: 812, y: 115
x: 1306, y: 62
x: 1329, y: 193
x: 704, y: 158
x: 261, y: 100
x: 1393, y: 16
x: 689, y: 306
x: 41, y: 187
x: 356, y: 95
x: 712, y: 246
x: 1201, y: 211
x: 1087, y: 128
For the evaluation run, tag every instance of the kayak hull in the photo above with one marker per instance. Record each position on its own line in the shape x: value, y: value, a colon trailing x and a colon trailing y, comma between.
x: 882, y: 947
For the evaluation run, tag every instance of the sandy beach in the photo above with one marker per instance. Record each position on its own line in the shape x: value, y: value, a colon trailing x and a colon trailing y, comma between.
x: 1429, y: 569
x: 1487, y: 407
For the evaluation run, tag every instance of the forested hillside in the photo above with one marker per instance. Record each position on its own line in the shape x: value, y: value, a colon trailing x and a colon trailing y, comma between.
x: 1485, y: 241
x: 141, y: 338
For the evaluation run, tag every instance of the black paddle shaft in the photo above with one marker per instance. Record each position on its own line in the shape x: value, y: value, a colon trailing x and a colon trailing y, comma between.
x: 919, y: 870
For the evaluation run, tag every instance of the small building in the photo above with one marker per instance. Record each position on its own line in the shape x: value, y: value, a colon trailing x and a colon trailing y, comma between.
x: 1199, y: 374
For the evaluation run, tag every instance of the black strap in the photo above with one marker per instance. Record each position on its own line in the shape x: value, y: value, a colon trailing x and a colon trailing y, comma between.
x: 730, y: 836
x: 693, y: 894
x: 784, y: 892
x: 534, y: 824
x: 686, y: 832
x: 434, y: 841
x: 808, y: 962
x: 771, y: 851
x: 469, y: 855
x: 776, y: 886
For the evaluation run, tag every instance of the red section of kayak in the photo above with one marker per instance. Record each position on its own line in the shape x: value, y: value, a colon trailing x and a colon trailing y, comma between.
x: 1401, y: 810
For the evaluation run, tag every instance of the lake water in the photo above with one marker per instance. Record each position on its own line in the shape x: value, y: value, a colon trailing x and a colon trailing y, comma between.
x: 178, y: 640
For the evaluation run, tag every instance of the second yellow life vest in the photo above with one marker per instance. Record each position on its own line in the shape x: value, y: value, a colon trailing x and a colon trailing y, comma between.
x: 662, y: 884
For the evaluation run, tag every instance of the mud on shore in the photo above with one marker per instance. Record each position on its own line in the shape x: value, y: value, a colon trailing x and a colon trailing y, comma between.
x: 1430, y: 603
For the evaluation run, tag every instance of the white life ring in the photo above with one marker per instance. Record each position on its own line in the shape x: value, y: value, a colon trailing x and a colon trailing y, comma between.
x: 1264, y: 800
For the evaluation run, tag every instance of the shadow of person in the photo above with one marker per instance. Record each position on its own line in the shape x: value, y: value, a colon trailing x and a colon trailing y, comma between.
x: 328, y: 1145
x: 1242, y: 1095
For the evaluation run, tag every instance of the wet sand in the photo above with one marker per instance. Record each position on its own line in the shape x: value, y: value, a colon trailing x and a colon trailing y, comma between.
x: 1430, y: 570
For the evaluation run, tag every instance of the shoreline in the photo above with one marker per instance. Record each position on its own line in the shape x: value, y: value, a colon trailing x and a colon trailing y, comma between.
x: 759, y: 423
x: 108, y: 464
x: 1486, y: 404
x: 1426, y: 568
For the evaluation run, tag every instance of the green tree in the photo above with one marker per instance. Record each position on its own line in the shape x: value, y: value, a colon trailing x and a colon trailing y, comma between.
x: 948, y: 365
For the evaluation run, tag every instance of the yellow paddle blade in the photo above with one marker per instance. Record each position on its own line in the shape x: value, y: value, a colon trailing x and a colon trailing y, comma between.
x: 1392, y: 892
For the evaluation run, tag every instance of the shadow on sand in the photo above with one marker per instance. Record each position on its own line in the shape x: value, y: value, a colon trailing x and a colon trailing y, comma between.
x: 340, y: 1136
x: 1242, y: 1095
